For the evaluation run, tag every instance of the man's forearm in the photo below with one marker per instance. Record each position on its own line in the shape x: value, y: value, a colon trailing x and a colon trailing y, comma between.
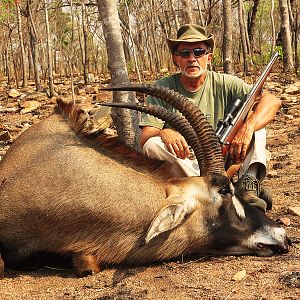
x: 147, y: 132
x: 264, y: 112
x: 174, y: 141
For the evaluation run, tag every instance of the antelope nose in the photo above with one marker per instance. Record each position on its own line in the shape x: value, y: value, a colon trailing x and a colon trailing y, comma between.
x: 284, y: 247
x: 288, y: 243
x: 279, y: 247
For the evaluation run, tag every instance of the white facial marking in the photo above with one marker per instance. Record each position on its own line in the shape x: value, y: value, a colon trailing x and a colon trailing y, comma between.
x: 267, y: 235
x: 238, y: 207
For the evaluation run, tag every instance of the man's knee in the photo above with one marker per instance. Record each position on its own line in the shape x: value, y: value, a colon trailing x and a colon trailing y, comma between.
x: 256, y: 155
x: 156, y: 148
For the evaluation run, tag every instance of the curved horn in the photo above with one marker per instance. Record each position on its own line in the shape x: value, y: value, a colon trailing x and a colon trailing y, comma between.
x: 213, y: 159
x: 175, y: 120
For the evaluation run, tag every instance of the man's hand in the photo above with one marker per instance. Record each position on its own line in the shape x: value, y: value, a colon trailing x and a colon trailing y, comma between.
x: 264, y: 112
x: 175, y: 142
x: 240, y: 144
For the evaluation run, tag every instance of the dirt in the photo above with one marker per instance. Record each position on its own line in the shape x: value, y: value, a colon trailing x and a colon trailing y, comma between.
x: 188, y: 277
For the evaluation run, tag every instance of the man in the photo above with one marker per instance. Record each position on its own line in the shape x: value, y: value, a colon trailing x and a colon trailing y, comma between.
x: 214, y: 94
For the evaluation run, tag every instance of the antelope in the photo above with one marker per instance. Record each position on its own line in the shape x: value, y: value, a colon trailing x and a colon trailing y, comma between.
x: 69, y: 190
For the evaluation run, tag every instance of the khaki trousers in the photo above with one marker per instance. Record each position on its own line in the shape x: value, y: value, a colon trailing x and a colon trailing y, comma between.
x: 156, y: 148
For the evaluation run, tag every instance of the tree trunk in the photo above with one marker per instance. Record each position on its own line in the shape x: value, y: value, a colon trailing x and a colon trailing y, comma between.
x: 286, y: 36
x: 149, y: 52
x: 23, y: 55
x: 187, y: 9
x: 133, y: 45
x: 273, y: 26
x: 34, y: 47
x: 174, y: 14
x: 30, y: 65
x: 249, y: 49
x: 86, y: 60
x: 290, y: 13
x: 34, y: 53
x: 156, y: 58
x: 49, y: 56
x: 71, y: 55
x: 227, y: 40
x: 126, y: 121
x: 200, y: 14
x: 297, y: 11
x: 243, y: 35
x: 252, y: 22
x: 13, y: 58
x: 7, y: 67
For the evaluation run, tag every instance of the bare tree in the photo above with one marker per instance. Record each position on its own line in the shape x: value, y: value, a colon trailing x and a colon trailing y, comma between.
x: 273, y: 26
x: 49, y: 56
x: 23, y: 55
x: 227, y: 34
x: 33, y: 44
x: 85, y: 43
x: 170, y: 2
x: 133, y: 44
x: 286, y: 36
x: 200, y: 13
x: 252, y: 21
x: 13, y: 56
x: 243, y: 35
x: 297, y: 28
x: 126, y: 121
x: 153, y: 18
x: 7, y: 66
x: 187, y: 9
x: 71, y: 54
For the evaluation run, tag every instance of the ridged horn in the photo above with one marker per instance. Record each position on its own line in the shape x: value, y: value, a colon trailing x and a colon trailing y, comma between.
x: 213, y: 159
x: 177, y: 121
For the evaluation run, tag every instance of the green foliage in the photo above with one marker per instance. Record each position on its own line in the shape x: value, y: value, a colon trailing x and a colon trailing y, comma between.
x: 7, y: 8
x: 258, y: 60
x: 217, y: 58
x: 280, y: 51
x: 262, y: 39
x: 63, y: 28
x: 130, y: 66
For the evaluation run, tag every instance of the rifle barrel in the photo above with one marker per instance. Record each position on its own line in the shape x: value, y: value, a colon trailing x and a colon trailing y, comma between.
x: 264, y: 74
x: 228, y: 124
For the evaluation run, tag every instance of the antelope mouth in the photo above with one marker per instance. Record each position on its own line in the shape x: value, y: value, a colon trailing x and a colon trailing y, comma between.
x: 273, y: 249
x: 269, y: 241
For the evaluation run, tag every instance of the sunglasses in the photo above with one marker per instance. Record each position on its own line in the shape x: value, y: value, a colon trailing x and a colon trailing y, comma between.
x: 186, y: 53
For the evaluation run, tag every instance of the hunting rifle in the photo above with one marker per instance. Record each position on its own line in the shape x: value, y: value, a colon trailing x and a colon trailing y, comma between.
x: 234, y: 119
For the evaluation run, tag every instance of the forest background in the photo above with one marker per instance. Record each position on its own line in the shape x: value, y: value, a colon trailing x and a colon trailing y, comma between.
x: 95, y: 41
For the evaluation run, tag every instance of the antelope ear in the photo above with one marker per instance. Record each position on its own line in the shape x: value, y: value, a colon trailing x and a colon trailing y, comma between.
x: 170, y: 216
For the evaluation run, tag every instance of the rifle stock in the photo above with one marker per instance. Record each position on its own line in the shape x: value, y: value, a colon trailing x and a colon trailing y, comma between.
x: 234, y: 119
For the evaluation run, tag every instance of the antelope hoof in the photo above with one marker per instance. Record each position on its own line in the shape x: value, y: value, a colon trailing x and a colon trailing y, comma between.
x: 84, y: 264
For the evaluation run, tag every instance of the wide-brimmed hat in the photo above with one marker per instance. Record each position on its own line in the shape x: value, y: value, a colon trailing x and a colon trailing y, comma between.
x: 190, y: 33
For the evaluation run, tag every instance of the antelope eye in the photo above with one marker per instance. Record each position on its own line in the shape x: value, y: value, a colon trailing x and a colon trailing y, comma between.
x: 224, y: 191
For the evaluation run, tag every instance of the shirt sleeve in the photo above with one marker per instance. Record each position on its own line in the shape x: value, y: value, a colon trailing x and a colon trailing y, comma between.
x: 148, y: 120
x: 237, y: 89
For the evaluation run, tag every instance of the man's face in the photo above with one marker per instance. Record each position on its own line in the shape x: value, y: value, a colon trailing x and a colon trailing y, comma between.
x: 192, y: 64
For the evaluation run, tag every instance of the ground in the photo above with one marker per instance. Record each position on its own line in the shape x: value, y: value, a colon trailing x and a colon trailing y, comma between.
x: 276, y: 277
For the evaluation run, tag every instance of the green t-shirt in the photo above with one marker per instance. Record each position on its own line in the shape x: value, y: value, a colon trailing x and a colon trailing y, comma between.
x: 215, y: 97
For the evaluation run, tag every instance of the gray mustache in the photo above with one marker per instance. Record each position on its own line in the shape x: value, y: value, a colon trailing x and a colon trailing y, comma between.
x: 193, y: 65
